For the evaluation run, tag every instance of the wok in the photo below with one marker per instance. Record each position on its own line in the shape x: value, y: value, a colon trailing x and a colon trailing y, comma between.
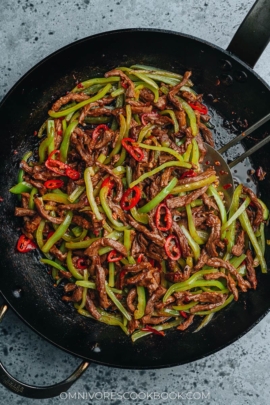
x: 231, y: 89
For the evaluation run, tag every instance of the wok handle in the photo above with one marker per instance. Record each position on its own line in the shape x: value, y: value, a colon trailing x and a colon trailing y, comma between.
x: 253, y: 35
x: 31, y: 391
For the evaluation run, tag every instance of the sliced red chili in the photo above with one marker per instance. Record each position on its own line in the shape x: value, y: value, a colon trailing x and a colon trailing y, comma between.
x: 140, y: 257
x: 183, y: 314
x: 60, y: 132
x: 98, y: 130
x: 152, y: 262
x: 50, y: 234
x: 148, y: 328
x: 188, y: 173
x: 167, y: 219
x: 80, y: 264
x: 72, y: 173
x: 124, y: 85
x: 149, y: 115
x: 108, y: 182
x: 25, y: 244
x: 114, y: 256
x: 132, y: 149
x: 80, y: 86
x: 199, y: 107
x: 226, y: 186
x: 172, y: 247
x: 126, y: 203
x: 55, y: 165
x: 53, y: 184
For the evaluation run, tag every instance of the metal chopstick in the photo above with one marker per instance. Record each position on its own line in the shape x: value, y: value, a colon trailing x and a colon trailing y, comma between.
x: 244, y: 134
x: 249, y: 152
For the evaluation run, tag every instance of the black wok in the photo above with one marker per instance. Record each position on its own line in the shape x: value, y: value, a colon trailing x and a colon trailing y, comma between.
x: 231, y: 86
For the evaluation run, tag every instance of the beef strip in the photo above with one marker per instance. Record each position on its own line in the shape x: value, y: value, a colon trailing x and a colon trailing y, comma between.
x: 130, y: 92
x: 69, y: 287
x: 133, y: 325
x: 214, y: 223
x: 155, y: 320
x: 206, y: 133
x: 100, y: 284
x: 238, y: 248
x: 117, y: 179
x: 58, y: 254
x: 175, y: 89
x: 44, y: 214
x: 80, y: 221
x: 208, y: 201
x: 185, y: 249
x: 155, y: 238
x: 130, y: 299
x: 216, y: 262
x: 160, y: 291
x: 178, y: 276
x: 23, y: 212
x: 146, y: 279
x: 176, y: 202
x: 31, y: 226
x: 186, y: 323
x: 208, y: 307
x: 251, y: 274
x: 91, y: 308
x: 259, y: 211
x: 201, y: 261
x: 230, y: 282
x: 102, y: 242
x: 69, y: 97
x: 201, y: 176
x: 136, y: 268
x: 202, y: 148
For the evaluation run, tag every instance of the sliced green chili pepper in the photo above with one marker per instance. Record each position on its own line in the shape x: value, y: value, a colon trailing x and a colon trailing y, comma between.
x: 191, y: 115
x: 111, y: 274
x: 231, y: 231
x: 103, y: 200
x: 66, y: 139
x: 173, y: 117
x: 159, y: 197
x: 117, y: 302
x: 20, y: 188
x: 118, y: 144
x: 168, y: 325
x: 194, y: 245
x: 192, y: 228
x: 187, y: 153
x: 139, y: 217
x: 58, y: 233
x: 89, y: 193
x: 31, y: 199
x: 195, y: 185
x: 87, y: 83
x: 141, y: 85
x: 241, y: 209
x: 195, y: 153
x: 76, y: 193
x: 162, y: 149
x: 53, y: 264
x: 139, y: 312
x: 71, y: 266
x: 60, y: 198
x: 21, y: 173
x: 213, y: 192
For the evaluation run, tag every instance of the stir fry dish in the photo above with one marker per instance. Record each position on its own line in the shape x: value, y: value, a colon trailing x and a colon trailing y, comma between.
x: 134, y: 232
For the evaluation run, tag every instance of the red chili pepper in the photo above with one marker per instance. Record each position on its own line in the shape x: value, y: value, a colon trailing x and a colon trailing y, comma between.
x: 72, y: 173
x: 167, y: 217
x: 55, y: 165
x: 226, y: 186
x: 133, y: 150
x: 25, y: 244
x: 183, y: 314
x: 172, y: 250
x: 188, y: 173
x: 140, y: 257
x: 152, y: 262
x: 80, y: 86
x: 35, y: 133
x: 50, y: 234
x: 148, y: 328
x: 124, y: 85
x: 114, y: 256
x: 80, y: 264
x: 149, y: 115
x: 60, y: 132
x: 108, y: 183
x: 53, y: 184
x: 98, y: 130
x: 127, y: 204
x: 199, y: 107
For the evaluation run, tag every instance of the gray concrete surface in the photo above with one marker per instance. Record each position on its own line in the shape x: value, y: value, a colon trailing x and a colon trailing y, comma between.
x: 239, y: 374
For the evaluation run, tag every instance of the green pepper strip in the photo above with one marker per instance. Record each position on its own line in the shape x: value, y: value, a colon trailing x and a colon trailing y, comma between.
x: 192, y: 243
x: 187, y: 154
x: 22, y: 187
x: 231, y: 231
x: 159, y: 197
x: 227, y: 302
x: 156, y: 70
x: 97, y: 120
x: 195, y: 153
x: 139, y: 217
x: 265, y: 210
x: 72, y: 268
x: 191, y: 226
x: 204, y: 322
x: 107, y: 319
x: 246, y: 225
x: 76, y: 107
x: 48, y: 143
x: 84, y: 244
x: 162, y: 149
x: 66, y: 139
x: 199, y: 274
x: 128, y: 120
x: 168, y: 325
x: 213, y: 192
x: 84, y: 294
x: 205, y: 283
x: 39, y: 237
x: 241, y: 209
x: 92, y: 285
x: 191, y: 115
x: 117, y: 302
x: 53, y: 264
x: 185, y: 307
x: 103, y: 200
x: 163, y: 79
x: 68, y: 238
x: 111, y: 274
x: 145, y: 131
x: 128, y: 175
x: 141, y: 85
x: 58, y: 233
x: 173, y: 117
x: 167, y: 312
x: 117, y: 92
x: 89, y: 193
x: 50, y: 135
x: 60, y: 198
x: 90, y: 82
x: 31, y: 203
x: 42, y: 129
x: 139, y: 312
x: 195, y: 185
x: 21, y: 173
x: 76, y: 193
x: 118, y: 144
x: 158, y: 169
x: 145, y: 78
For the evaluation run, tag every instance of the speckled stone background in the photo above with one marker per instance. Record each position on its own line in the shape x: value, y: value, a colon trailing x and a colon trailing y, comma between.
x: 31, y: 30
